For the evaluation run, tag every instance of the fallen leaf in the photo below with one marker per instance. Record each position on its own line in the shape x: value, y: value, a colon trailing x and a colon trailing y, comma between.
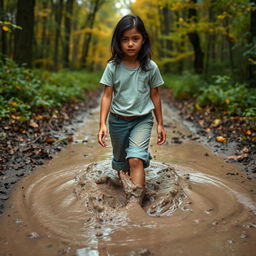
x: 33, y: 124
x: 201, y: 122
x: 198, y: 107
x: 70, y: 139
x: 240, y: 157
x: 50, y: 140
x: 216, y: 122
x: 14, y: 117
x: 13, y: 103
x: 208, y: 129
x: 221, y: 139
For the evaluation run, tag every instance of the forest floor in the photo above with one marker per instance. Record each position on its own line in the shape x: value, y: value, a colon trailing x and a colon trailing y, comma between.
x: 233, y: 137
x: 24, y: 146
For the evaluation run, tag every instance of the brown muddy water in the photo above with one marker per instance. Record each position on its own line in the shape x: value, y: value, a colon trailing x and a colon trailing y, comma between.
x: 74, y: 204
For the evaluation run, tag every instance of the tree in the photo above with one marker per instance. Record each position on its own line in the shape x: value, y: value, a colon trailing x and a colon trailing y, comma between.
x: 195, y: 41
x: 58, y: 6
x: 23, y: 39
x: 166, y: 20
x: 2, y: 17
x: 67, y: 36
x: 252, y: 42
x: 93, y: 7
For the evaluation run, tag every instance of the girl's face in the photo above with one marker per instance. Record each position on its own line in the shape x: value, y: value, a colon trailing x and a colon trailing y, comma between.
x: 131, y: 43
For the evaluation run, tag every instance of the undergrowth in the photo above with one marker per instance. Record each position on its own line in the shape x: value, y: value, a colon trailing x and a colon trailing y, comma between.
x: 217, y: 91
x: 24, y: 92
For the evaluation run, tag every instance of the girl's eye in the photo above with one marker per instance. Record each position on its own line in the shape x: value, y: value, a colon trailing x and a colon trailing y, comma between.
x: 136, y: 38
x: 124, y: 39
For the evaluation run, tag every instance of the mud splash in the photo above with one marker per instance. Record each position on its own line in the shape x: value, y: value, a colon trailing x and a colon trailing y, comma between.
x: 74, y: 205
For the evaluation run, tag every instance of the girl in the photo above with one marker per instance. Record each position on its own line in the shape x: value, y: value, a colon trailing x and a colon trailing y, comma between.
x: 131, y: 80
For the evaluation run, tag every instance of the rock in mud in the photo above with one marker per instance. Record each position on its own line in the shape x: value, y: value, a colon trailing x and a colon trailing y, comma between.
x: 140, y: 252
x: 33, y: 235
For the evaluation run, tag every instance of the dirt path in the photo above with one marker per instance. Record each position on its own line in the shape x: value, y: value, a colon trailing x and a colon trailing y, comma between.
x: 192, y: 207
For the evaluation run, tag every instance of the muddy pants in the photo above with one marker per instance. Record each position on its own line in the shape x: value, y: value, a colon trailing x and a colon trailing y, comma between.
x: 130, y: 139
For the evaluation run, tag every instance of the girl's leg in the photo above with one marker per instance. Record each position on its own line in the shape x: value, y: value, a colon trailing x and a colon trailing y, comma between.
x: 137, y: 171
x: 137, y: 153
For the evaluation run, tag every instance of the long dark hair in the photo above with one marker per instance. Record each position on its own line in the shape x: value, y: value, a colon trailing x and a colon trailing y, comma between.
x: 126, y: 23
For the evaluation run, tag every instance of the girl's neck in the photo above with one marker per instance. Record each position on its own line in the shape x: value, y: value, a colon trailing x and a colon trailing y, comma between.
x: 131, y: 62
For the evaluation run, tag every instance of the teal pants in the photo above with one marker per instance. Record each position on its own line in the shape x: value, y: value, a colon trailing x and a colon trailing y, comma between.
x: 130, y: 139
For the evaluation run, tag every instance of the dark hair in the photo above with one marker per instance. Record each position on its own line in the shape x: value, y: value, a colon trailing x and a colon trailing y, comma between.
x: 126, y: 23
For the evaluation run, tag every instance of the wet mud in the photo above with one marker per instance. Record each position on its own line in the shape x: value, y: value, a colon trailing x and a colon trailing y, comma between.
x: 75, y: 203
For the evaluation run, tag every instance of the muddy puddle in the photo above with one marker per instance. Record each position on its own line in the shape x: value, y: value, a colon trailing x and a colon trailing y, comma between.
x: 74, y: 204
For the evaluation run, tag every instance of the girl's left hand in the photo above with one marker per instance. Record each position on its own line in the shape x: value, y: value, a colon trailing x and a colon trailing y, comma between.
x: 161, y: 135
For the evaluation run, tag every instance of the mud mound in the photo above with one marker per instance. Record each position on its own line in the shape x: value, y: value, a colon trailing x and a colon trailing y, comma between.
x: 100, y: 189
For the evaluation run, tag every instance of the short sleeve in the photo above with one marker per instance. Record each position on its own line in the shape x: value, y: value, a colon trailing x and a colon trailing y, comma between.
x: 155, y: 76
x: 107, y: 77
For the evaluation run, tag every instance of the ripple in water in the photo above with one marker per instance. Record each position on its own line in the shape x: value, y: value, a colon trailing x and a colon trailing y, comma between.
x: 88, y: 203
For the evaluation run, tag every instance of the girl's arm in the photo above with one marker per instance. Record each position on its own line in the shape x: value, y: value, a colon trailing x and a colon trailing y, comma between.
x: 161, y: 135
x: 104, y: 109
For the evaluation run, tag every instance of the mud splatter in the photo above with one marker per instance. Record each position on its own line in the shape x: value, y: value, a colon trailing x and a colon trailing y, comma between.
x: 78, y: 207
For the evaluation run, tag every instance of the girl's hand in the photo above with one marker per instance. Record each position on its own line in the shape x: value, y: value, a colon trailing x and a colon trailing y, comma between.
x: 102, y: 135
x: 161, y: 135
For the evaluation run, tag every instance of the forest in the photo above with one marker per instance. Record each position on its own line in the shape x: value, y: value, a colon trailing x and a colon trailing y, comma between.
x: 52, y: 51
x: 197, y: 196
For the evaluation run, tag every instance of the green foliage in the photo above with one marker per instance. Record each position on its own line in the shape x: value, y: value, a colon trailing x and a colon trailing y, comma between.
x: 236, y: 98
x: 8, y: 26
x: 24, y: 92
x: 186, y: 85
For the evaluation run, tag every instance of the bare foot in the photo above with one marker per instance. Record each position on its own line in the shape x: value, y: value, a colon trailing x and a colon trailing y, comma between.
x: 133, y: 192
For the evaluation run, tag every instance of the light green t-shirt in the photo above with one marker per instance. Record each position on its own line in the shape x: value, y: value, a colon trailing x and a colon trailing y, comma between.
x: 131, y: 88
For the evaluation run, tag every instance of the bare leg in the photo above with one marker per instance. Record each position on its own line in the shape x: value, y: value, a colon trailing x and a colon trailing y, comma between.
x: 134, y: 193
x: 137, y: 171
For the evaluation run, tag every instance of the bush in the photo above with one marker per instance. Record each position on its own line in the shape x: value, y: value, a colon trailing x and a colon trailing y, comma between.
x: 186, y: 85
x: 224, y: 93
x: 24, y: 91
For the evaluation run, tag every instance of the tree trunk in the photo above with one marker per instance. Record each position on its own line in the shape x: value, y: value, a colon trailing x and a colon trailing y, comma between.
x: 3, y: 41
x: 230, y: 46
x: 24, y: 38
x: 88, y: 37
x: 166, y: 29
x: 58, y: 19
x: 210, y: 54
x: 68, y: 19
x: 195, y: 41
x: 252, y: 40
x: 44, y: 45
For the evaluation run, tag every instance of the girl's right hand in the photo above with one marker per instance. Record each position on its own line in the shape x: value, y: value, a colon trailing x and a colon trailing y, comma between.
x: 102, y: 135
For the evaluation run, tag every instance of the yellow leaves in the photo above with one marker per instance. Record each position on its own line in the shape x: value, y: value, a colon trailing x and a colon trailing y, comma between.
x: 248, y: 132
x: 216, y: 122
x: 182, y: 5
x: 13, y: 103
x: 5, y: 28
x: 227, y: 101
x: 15, y: 117
x: 221, y: 139
x: 177, y: 56
x: 44, y: 13
x: 223, y: 16
x: 252, y: 61
x: 198, y: 107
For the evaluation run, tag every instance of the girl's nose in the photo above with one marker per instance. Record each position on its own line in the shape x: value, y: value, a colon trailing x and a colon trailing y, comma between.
x: 130, y: 42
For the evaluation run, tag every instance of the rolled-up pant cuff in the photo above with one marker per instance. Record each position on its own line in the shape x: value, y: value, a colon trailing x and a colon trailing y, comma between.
x: 118, y: 165
x: 137, y: 152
